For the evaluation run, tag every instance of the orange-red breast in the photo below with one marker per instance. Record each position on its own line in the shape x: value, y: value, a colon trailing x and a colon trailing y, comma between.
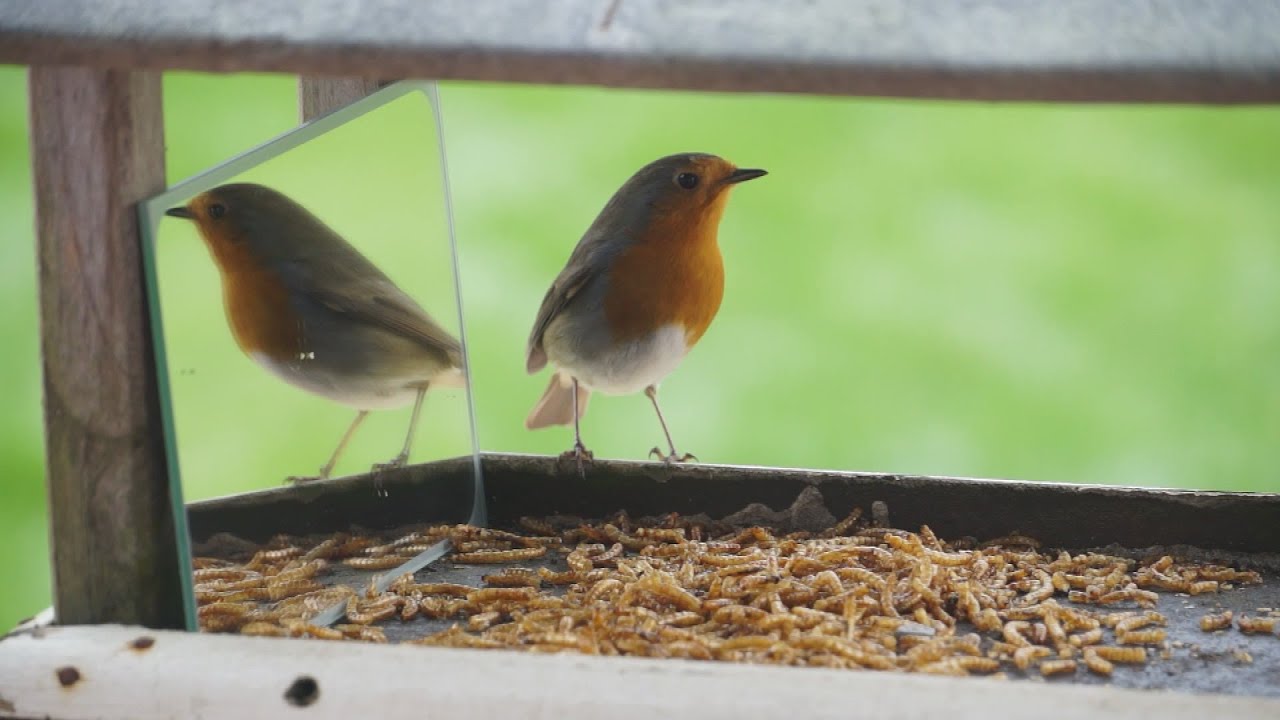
x: 307, y: 306
x: 638, y: 292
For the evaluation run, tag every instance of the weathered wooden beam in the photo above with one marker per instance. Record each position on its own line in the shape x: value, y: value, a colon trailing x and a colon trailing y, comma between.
x: 1216, y: 51
x: 320, y: 95
x: 117, y: 672
x: 97, y: 148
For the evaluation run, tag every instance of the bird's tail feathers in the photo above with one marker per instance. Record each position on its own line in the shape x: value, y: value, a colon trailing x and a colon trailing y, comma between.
x: 556, y: 405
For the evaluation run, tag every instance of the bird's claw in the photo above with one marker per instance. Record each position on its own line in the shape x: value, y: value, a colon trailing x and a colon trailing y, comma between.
x: 398, y: 461
x: 304, y: 479
x: 672, y: 458
x: 580, y: 455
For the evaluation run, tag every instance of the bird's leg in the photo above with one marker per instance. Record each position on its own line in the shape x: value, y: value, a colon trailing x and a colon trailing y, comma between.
x: 403, y: 457
x: 333, y: 459
x: 674, y: 457
x: 579, y: 452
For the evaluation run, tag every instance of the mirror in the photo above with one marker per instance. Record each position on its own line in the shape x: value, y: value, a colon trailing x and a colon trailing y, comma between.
x: 305, y: 309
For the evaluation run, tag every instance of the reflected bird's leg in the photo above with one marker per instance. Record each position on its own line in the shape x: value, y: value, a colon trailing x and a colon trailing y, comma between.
x: 333, y: 459
x: 674, y: 457
x: 403, y: 457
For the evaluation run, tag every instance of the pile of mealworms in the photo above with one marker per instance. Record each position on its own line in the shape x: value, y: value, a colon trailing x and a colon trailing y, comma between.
x: 857, y: 595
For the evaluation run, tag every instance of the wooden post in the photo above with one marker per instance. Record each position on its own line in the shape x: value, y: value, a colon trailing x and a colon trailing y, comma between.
x: 98, y: 148
x: 319, y: 95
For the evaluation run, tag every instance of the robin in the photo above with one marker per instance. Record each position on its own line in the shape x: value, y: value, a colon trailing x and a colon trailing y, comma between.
x: 307, y: 306
x: 638, y: 292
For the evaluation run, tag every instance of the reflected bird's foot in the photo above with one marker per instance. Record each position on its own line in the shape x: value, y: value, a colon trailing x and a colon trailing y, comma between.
x: 398, y: 461
x: 673, y: 458
x: 304, y: 479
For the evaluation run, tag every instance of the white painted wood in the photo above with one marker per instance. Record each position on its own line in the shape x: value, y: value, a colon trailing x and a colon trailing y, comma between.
x: 1136, y: 50
x: 44, y: 618
x: 187, y: 676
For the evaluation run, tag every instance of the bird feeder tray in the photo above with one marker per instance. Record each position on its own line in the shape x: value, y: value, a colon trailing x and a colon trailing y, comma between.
x: 1241, y: 530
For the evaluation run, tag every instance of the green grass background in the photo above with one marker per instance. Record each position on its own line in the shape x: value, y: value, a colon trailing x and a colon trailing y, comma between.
x: 1078, y: 294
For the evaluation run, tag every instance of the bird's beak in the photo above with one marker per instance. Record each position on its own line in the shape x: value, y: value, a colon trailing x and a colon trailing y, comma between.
x: 180, y: 212
x: 744, y: 174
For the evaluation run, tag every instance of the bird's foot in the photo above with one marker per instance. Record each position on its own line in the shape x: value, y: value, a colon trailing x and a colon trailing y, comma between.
x: 398, y: 461
x: 672, y: 458
x: 394, y: 463
x: 580, y: 455
x: 304, y: 479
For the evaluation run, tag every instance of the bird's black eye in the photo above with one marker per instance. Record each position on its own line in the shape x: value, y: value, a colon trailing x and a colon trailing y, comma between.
x: 687, y: 180
x: 217, y: 210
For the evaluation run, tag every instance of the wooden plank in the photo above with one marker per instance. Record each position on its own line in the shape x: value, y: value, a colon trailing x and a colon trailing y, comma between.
x: 320, y: 95
x: 1219, y: 51
x: 105, y: 672
x: 98, y: 147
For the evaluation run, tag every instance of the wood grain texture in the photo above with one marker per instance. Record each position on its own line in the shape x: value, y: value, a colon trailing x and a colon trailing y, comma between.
x: 97, y: 148
x: 320, y: 95
x: 1084, y: 50
x: 232, y: 677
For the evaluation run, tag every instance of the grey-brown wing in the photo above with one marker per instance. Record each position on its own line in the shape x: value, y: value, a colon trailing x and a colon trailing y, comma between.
x: 368, y: 295
x: 592, y: 256
x: 561, y: 292
x: 382, y: 304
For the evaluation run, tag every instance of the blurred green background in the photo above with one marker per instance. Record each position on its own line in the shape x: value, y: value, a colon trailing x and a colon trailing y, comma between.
x: 1077, y: 294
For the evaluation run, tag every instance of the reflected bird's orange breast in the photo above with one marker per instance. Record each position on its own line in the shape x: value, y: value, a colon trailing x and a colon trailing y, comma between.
x: 258, y: 309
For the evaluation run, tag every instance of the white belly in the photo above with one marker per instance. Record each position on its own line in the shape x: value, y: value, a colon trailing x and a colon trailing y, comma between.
x: 360, y: 392
x: 628, y: 367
